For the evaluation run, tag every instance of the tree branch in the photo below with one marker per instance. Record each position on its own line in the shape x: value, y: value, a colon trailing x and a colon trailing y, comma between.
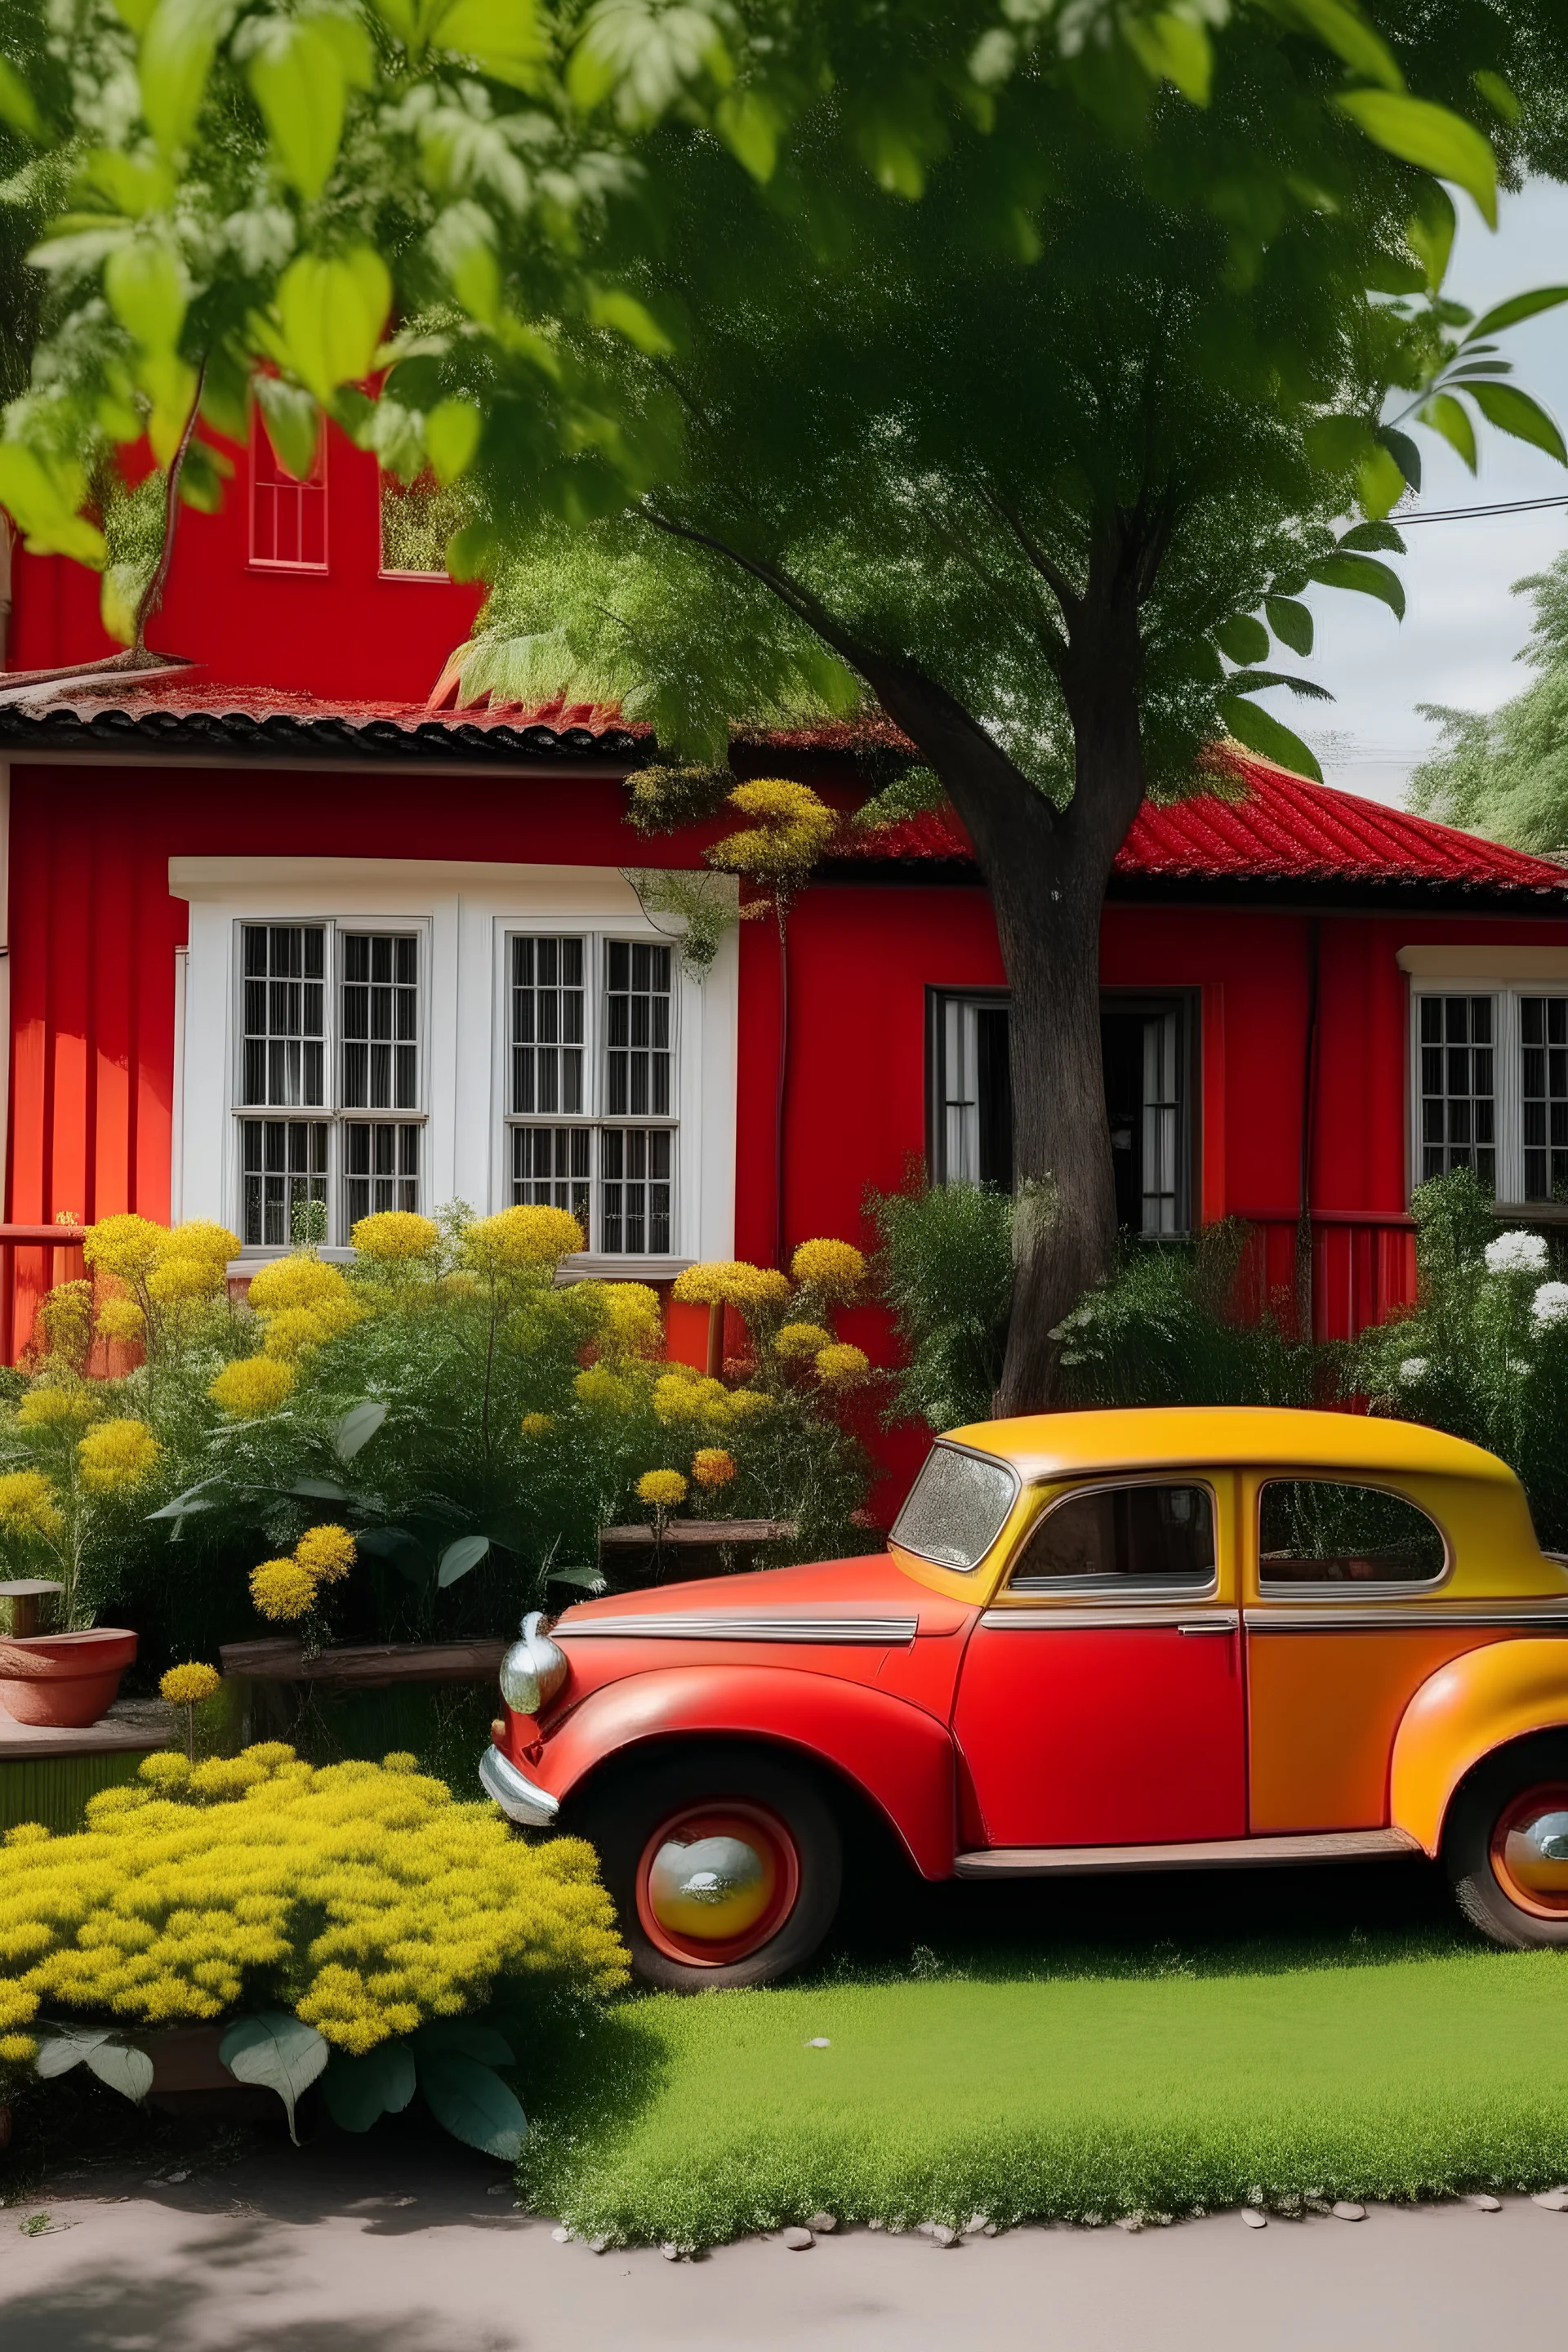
x: 1050, y: 572
x: 152, y: 594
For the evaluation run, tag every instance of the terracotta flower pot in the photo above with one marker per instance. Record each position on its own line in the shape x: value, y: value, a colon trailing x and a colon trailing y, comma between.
x: 64, y: 1680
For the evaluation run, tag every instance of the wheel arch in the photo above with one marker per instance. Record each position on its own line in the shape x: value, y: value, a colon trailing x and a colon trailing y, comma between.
x: 875, y: 1755
x: 1470, y: 1710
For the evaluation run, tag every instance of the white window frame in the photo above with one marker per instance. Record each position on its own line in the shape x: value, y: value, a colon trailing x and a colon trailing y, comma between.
x: 467, y: 911
x: 595, y: 1119
x: 1508, y: 1076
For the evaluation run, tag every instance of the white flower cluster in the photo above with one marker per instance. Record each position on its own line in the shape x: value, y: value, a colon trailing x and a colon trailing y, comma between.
x: 1415, y: 1368
x: 1516, y: 1252
x: 1550, y: 1305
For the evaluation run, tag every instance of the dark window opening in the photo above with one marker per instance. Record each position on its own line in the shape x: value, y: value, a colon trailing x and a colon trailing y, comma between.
x: 1121, y: 1535
x: 1145, y: 1047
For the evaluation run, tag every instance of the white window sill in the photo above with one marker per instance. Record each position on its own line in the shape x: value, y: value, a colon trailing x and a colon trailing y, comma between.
x: 585, y: 1267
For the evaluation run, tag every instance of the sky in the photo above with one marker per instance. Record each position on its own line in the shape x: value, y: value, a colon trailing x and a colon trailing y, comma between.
x: 1462, y: 628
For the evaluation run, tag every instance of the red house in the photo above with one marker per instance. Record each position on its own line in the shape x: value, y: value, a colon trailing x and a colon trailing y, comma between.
x: 278, y: 930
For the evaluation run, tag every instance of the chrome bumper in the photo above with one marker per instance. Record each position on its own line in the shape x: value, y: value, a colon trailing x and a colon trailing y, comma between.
x: 519, y: 1801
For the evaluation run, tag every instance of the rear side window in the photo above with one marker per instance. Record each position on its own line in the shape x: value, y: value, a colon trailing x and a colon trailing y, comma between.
x: 1116, y: 1538
x: 1316, y: 1531
x: 954, y: 1512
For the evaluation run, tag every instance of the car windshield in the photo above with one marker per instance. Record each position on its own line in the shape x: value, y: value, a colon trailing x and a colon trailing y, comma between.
x: 954, y: 1511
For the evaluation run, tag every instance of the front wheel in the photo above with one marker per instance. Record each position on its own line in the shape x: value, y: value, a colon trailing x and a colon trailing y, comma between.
x: 1507, y: 1844
x: 724, y: 1866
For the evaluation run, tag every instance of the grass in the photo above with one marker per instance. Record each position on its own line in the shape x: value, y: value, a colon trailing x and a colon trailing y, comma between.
x: 1075, y: 2084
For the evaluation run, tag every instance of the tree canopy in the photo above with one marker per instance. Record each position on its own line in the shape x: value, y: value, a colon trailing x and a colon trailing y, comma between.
x: 1505, y: 773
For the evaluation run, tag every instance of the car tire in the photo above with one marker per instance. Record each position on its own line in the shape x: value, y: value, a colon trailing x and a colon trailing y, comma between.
x: 1513, y: 1809
x: 764, y: 1833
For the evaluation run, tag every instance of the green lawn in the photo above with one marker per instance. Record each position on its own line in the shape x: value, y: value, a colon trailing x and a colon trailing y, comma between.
x: 1383, y: 2065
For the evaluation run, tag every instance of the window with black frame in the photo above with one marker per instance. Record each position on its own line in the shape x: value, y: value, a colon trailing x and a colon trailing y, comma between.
x: 1148, y: 1536
x: 1322, y: 1531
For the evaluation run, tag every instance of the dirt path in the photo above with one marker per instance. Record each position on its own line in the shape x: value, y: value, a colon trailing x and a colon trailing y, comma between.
x: 302, y: 2253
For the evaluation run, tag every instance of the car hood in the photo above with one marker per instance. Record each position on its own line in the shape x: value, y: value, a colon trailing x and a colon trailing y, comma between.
x: 868, y: 1598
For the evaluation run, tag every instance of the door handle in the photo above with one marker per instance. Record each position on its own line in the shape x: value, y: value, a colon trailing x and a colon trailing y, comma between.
x: 1207, y: 1625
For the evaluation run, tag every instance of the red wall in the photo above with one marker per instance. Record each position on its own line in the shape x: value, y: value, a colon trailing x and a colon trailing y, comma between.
x: 347, y: 632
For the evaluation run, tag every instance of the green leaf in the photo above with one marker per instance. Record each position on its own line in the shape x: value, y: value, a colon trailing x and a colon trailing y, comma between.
x: 504, y: 38
x: 125, y: 2069
x: 357, y: 1427
x: 587, y: 1578
x: 1380, y: 483
x: 1514, y: 412
x: 195, y: 1499
x: 1431, y: 233
x: 1406, y: 453
x: 474, y: 2104
x: 298, y: 81
x: 67, y: 2047
x: 1291, y: 623
x: 1431, y: 137
x: 1518, y: 306
x: 1173, y: 49
x: 1243, y: 638
x: 623, y: 314
x: 148, y: 291
x: 42, y: 500
x: 1259, y: 681
x: 360, y: 2090
x: 1364, y: 574
x: 460, y: 1557
x: 468, y: 2037
x: 462, y: 243
x: 472, y: 553
x: 451, y: 437
x: 175, y: 59
x: 1497, y: 93
x: 748, y: 124
x: 1333, y: 444
x: 276, y: 2052
x: 1451, y: 418
x: 1261, y: 731
x: 1352, y: 39
x: 1366, y: 536
x: 331, y: 313
x: 16, y: 106
x: 294, y: 423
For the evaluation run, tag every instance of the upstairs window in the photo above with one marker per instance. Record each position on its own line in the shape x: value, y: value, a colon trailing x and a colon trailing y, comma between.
x: 330, y: 1106
x: 288, y: 517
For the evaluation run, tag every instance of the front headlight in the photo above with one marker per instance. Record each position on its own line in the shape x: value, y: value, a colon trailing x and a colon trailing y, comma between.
x: 533, y: 1669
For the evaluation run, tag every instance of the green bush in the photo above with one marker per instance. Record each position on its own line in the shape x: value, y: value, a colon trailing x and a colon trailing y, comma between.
x: 944, y: 1269
x: 1174, y: 1326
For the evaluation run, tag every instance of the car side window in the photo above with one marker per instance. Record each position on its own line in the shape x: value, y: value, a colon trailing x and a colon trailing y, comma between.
x: 1113, y: 1539
x: 1319, y: 1531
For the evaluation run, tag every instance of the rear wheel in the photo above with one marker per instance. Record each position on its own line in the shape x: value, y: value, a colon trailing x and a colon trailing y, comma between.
x: 1506, y: 1844
x: 724, y: 1866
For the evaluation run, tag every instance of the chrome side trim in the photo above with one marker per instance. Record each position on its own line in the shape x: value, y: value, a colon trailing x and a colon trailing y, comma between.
x: 1366, y: 1617
x: 519, y: 1801
x: 883, y: 1633
x: 1212, y: 1853
x: 1175, y: 1615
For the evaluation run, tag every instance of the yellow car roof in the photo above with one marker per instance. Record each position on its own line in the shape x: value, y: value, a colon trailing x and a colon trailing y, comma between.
x: 1159, y: 1438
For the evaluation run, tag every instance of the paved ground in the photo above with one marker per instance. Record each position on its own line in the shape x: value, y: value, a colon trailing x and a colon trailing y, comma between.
x: 379, y: 2250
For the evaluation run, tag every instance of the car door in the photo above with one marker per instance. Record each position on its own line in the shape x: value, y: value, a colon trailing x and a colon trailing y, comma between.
x: 1101, y: 1700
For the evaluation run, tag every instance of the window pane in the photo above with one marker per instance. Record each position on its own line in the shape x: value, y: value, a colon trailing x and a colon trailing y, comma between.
x: 381, y: 1168
x: 380, y: 1001
x: 1457, y: 1086
x: 282, y: 1064
x: 1122, y: 1536
x: 1543, y: 1089
x: 547, y: 1025
x: 552, y: 1168
x: 636, y: 1030
x: 954, y: 1512
x: 284, y: 1166
x: 1316, y: 1531
x: 636, y: 1192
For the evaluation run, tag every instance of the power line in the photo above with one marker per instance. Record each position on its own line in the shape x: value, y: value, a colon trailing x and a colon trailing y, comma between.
x: 1467, y: 514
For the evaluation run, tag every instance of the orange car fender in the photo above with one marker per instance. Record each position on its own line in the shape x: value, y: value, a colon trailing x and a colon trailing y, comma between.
x: 899, y: 1756
x: 1499, y: 1692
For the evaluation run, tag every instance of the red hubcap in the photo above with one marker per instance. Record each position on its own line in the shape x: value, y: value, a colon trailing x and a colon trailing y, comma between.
x: 715, y: 1882
x: 1530, y: 1850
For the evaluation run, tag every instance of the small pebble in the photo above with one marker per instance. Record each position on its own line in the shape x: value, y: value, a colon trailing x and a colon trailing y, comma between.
x: 877, y: 2224
x: 1253, y: 2218
x: 176, y: 2177
x: 819, y: 2041
x: 1484, y: 2203
x: 1555, y: 2200
x: 989, y: 2231
x: 942, y: 2235
x: 797, y: 2240
x: 823, y: 2224
x: 1131, y: 2223
x: 1345, y: 2211
x: 502, y: 2189
x: 671, y: 2251
x: 597, y: 2245
x: 561, y: 2234
x: 926, y: 2228
x: 976, y: 2223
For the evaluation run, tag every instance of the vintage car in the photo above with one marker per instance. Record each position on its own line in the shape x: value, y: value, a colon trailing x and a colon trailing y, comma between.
x: 1152, y: 1640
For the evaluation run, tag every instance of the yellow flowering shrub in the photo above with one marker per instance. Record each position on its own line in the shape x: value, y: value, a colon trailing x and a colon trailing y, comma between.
x: 841, y: 1367
x: 394, y: 1235
x: 746, y: 1404
x: 115, y: 1453
x: 602, y: 1391
x: 253, y: 1386
x: 791, y: 825
x: 180, y: 1276
x: 713, y: 1467
x: 666, y: 1489
x: 521, y: 1238
x: 798, y: 1342
x: 630, y: 1318
x: 50, y: 1406
x: 128, y: 1246
x: 27, y: 1505
x: 300, y: 1281
x: 360, y: 1894
x: 327, y: 1553
x: 684, y: 1397
x: 283, y: 1591
x: 837, y: 1270
x: 293, y: 1331
x: 729, y: 1282
x: 122, y: 1320
x: 538, y: 1425
x: 189, y: 1686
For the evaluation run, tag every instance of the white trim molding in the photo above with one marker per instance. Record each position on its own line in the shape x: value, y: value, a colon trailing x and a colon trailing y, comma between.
x: 1464, y: 966
x: 466, y: 912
